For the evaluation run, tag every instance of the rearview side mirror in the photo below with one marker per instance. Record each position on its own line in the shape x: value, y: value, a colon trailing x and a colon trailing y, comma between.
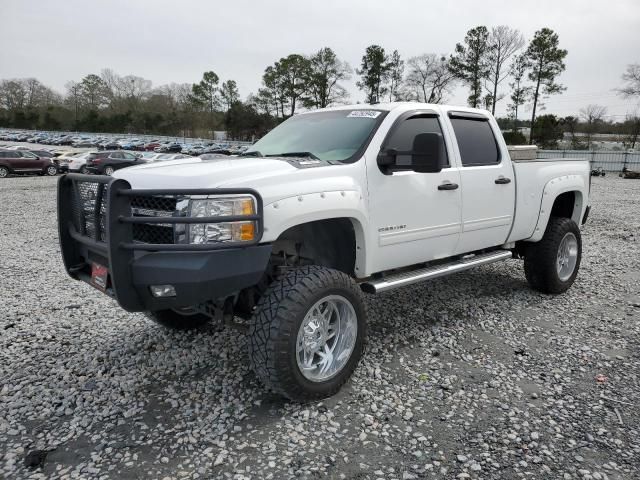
x: 427, y: 150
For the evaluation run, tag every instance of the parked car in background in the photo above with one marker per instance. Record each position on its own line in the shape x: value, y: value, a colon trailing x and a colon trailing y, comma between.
x: 109, y: 145
x: 62, y: 166
x: 171, y: 147
x: 150, y: 156
x: 167, y: 156
x: 152, y: 145
x: 21, y: 161
x: 107, y: 162
x: 78, y: 162
x: 86, y: 143
x: 64, y: 159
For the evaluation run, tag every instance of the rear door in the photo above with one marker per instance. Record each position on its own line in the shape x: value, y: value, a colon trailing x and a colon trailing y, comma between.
x: 487, y: 182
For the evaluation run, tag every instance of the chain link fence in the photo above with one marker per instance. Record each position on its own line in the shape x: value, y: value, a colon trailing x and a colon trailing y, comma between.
x: 609, y: 161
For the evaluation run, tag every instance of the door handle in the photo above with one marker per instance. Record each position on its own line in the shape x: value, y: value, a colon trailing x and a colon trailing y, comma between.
x: 503, y: 181
x: 448, y: 186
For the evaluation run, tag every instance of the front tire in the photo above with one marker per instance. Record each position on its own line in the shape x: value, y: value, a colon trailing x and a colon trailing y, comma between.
x: 551, y: 265
x: 83, y: 170
x: 51, y: 170
x: 307, y: 333
x: 179, y: 319
x: 108, y: 170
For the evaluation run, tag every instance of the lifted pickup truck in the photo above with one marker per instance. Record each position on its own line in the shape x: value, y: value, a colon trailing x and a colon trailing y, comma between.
x: 327, y: 205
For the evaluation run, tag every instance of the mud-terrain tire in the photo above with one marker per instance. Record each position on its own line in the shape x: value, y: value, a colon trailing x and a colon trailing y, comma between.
x: 179, y: 320
x: 306, y: 315
x: 551, y: 265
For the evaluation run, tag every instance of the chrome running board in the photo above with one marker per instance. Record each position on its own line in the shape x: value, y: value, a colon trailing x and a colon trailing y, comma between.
x: 414, y: 276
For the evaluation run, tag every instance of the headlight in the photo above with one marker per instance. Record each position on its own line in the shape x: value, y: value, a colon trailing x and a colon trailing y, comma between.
x: 234, y: 231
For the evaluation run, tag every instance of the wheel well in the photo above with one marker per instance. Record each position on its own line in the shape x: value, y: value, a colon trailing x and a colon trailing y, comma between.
x: 328, y: 243
x: 563, y: 205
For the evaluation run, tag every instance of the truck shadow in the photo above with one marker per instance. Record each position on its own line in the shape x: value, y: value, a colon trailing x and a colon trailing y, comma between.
x: 201, y: 380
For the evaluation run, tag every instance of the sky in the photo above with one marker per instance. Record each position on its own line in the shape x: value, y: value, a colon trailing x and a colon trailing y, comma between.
x: 176, y: 41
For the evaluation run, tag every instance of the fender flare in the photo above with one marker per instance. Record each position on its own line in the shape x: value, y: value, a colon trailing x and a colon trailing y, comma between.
x: 552, y: 190
x: 289, y: 212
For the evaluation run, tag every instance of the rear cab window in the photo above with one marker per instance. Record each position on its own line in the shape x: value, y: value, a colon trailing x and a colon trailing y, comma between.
x: 476, y: 140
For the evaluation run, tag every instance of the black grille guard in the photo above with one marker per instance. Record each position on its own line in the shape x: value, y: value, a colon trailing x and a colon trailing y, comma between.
x: 103, y: 231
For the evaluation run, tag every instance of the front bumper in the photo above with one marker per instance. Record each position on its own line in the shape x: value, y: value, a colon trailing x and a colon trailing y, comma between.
x: 102, y: 233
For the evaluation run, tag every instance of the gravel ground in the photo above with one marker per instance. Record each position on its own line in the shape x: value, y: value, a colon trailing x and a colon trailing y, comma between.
x: 470, y: 376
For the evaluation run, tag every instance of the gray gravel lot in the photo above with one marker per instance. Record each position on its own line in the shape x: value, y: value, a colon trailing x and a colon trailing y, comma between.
x: 470, y: 376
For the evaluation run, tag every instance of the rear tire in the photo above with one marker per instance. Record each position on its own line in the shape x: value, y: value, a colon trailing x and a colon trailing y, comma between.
x: 108, y: 170
x: 179, y: 320
x: 4, y: 172
x: 307, y: 333
x: 83, y: 170
x: 551, y: 265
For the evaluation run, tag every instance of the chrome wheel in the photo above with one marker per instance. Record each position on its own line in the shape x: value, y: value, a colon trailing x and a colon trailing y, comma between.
x: 567, y: 256
x: 108, y: 171
x: 326, y: 338
x: 4, y: 172
x: 51, y: 171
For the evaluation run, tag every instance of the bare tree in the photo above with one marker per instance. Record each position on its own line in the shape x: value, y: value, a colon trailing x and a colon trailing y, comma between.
x: 13, y: 95
x: 395, y: 73
x: 74, y: 90
x: 504, y: 42
x: 430, y: 77
x: 632, y: 77
x: 592, y: 115
x: 632, y: 127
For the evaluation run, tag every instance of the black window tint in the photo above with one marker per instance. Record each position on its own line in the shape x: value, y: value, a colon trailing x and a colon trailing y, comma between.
x: 476, y: 142
x: 4, y: 155
x: 402, y: 137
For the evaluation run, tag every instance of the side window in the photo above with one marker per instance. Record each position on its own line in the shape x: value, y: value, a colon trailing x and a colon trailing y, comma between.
x: 476, y: 142
x: 128, y: 156
x: 401, y: 138
x: 117, y: 155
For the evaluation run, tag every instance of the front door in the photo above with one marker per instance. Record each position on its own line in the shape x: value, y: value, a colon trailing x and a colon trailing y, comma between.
x: 487, y: 183
x: 415, y: 217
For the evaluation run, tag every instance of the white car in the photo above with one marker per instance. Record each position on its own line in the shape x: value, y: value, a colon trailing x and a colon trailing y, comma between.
x: 78, y: 162
x: 328, y: 204
x: 170, y: 156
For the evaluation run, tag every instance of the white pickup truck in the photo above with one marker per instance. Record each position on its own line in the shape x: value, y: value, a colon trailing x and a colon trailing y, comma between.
x: 327, y: 205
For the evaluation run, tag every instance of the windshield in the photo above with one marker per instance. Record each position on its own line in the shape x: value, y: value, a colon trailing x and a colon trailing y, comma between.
x: 334, y: 135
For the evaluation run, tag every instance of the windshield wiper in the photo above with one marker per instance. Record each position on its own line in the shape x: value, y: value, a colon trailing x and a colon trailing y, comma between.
x: 295, y: 154
x: 252, y: 153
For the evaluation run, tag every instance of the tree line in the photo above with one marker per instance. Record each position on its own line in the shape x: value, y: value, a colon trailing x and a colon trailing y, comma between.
x: 494, y: 64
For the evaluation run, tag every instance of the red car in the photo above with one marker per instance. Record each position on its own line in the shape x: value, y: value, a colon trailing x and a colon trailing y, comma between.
x: 149, y: 147
x: 21, y: 161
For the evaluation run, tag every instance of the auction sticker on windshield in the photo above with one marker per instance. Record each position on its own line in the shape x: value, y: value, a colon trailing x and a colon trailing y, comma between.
x: 364, y: 114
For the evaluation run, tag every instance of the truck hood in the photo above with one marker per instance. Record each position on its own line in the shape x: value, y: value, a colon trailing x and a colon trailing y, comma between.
x: 274, y: 179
